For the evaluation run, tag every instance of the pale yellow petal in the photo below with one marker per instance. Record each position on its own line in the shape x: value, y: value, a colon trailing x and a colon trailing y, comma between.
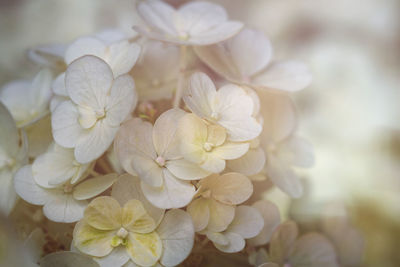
x: 200, y: 213
x: 136, y: 219
x: 231, y: 188
x: 144, y: 249
x: 104, y: 213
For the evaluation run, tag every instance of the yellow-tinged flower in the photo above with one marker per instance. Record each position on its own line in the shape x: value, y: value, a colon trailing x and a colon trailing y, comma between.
x: 106, y: 225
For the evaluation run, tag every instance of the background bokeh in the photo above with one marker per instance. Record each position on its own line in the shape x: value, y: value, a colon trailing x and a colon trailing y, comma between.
x: 351, y: 113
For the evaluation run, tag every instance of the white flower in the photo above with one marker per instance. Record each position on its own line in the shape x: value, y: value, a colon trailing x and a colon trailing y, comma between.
x: 156, y: 71
x: 311, y: 249
x: 230, y: 106
x: 153, y: 153
x: 49, y: 56
x: 12, y: 156
x: 214, y: 207
x: 112, y: 46
x: 283, y: 148
x: 247, y: 223
x: 64, y: 203
x: 195, y: 23
x: 28, y: 101
x: 99, y: 103
x: 116, y: 235
x: 246, y: 59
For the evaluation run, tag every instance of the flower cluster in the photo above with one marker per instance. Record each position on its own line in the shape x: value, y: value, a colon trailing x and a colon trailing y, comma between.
x: 155, y: 141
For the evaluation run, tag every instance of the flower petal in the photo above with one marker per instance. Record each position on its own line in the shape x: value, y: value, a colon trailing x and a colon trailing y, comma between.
x: 250, y: 163
x: 231, y: 150
x: 64, y: 208
x: 186, y: 170
x: 282, y: 242
x: 128, y: 187
x: 272, y: 219
x: 104, y: 213
x: 9, y: 137
x: 177, y: 235
x: 236, y: 243
x: 144, y: 249
x: 118, y: 257
x: 231, y: 188
x: 8, y: 196
x: 248, y: 222
x: 221, y: 215
x: 174, y: 193
x: 136, y: 219
x: 92, y: 241
x: 297, y: 151
x: 200, y: 213
x: 68, y: 259
x: 123, y: 56
x: 84, y: 46
x: 94, y: 186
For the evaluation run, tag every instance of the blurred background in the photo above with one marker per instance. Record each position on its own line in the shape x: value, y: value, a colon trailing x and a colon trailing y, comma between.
x: 351, y: 113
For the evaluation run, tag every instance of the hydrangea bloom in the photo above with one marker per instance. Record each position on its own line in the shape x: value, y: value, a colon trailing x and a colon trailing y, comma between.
x: 99, y: 103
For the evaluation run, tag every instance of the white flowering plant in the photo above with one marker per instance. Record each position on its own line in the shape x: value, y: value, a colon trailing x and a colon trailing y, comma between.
x: 155, y: 145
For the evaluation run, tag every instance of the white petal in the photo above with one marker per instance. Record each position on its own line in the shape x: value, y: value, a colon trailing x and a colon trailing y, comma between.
x: 122, y: 100
x: 174, y: 193
x: 283, y: 177
x: 58, y: 85
x: 279, y: 114
x: 51, y: 56
x: 9, y: 134
x: 231, y: 188
x: 231, y: 150
x: 128, y: 187
x: 88, y: 81
x: 65, y: 124
x: 64, y: 208
x: 117, y: 257
x: 288, y: 76
x: 94, y: 186
x: 8, y: 197
x: 28, y: 190
x: 221, y: 216
x: 177, y: 234
x: 297, y: 151
x: 165, y: 139
x: 200, y: 95
x: 94, y: 142
x: 272, y: 219
x: 186, y: 170
x: 313, y: 250
x: 123, y: 57
x: 248, y: 222
x: 84, y: 46
x: 217, y: 34
x: 236, y: 243
x: 200, y: 213
x: 158, y: 15
x: 250, y: 163
x: 39, y: 136
x: 11, y: 96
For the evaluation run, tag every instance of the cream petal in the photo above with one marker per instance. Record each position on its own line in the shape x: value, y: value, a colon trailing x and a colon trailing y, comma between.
x: 64, y: 208
x: 313, y: 250
x: 158, y: 15
x: 218, y: 238
x: 165, y: 139
x: 231, y: 188
x: 200, y: 213
x: 272, y: 219
x: 122, y: 100
x: 65, y: 124
x: 39, y: 136
x: 283, y: 177
x: 118, y: 257
x: 84, y: 46
x: 136, y: 219
x: 287, y: 76
x: 104, y: 213
x: 186, y: 170
x: 200, y: 95
x: 28, y: 190
x: 174, y: 193
x: 51, y: 56
x: 213, y: 163
x: 282, y: 242
x: 236, y: 243
x: 94, y: 186
x: 68, y: 259
x: 144, y: 249
x: 92, y: 241
x: 8, y: 196
x: 123, y: 57
x: 250, y: 163
x: 217, y: 34
x: 9, y: 137
x: 221, y: 215
x: 177, y: 235
x: 94, y: 142
x: 280, y: 118
x: 58, y: 85
x: 230, y: 150
x: 297, y: 151
x: 248, y: 222
x: 128, y: 187
x: 88, y: 81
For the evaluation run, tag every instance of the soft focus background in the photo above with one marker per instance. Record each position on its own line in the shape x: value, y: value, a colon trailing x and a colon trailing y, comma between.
x: 351, y: 113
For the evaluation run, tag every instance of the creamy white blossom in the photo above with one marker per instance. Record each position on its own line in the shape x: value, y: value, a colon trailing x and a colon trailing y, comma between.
x: 246, y: 59
x: 99, y: 103
x: 194, y: 23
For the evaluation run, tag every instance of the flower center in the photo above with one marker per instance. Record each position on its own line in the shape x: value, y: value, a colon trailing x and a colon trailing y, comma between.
x: 184, y: 36
x: 122, y: 233
x: 160, y: 161
x: 208, y: 146
x: 214, y: 115
x: 68, y: 188
x: 100, y: 113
